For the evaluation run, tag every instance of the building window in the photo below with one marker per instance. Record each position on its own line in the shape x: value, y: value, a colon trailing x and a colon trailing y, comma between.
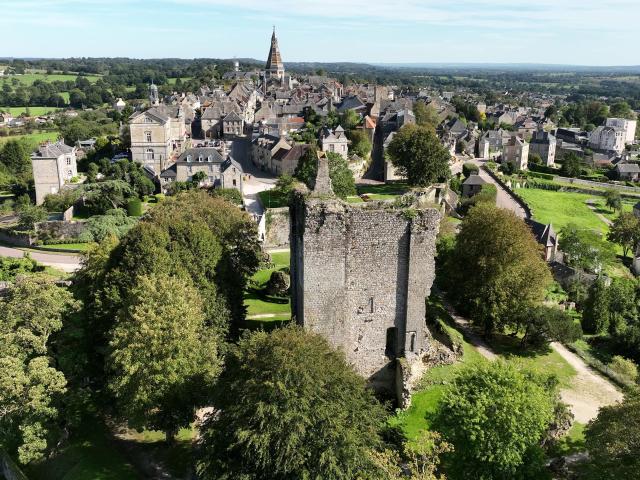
x: 148, y: 120
x: 372, y: 308
x: 234, y: 182
x: 148, y: 136
x: 149, y: 154
x: 68, y: 160
x: 200, y: 158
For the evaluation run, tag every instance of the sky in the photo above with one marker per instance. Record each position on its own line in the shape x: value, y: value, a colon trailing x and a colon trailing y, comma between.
x: 576, y: 32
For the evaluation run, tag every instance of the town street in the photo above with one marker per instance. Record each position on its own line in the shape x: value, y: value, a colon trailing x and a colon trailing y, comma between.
x: 65, y: 262
x: 504, y: 199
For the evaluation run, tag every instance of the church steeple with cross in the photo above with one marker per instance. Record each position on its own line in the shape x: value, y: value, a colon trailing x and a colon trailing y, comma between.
x: 274, y: 67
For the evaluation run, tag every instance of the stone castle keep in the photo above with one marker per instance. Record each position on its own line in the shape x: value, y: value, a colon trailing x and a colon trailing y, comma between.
x: 360, y: 275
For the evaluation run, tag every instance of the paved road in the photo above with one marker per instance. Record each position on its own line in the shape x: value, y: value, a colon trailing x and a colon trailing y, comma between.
x: 65, y: 262
x: 503, y: 199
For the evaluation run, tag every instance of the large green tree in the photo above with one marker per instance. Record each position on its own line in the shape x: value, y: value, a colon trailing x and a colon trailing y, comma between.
x: 625, y: 231
x: 341, y: 176
x: 426, y: 115
x: 585, y: 249
x: 163, y: 358
x: 418, y: 155
x: 613, y: 439
x: 290, y: 407
x: 15, y: 156
x: 496, y: 270
x: 31, y: 388
x: 496, y: 417
x: 206, y: 238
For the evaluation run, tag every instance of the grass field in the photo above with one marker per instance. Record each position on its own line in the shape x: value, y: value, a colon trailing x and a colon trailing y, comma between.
x: 273, y: 199
x: 90, y: 455
x: 72, y: 247
x: 561, y: 208
x: 35, y: 111
x: 29, y: 78
x: 262, y: 307
x: 32, y: 139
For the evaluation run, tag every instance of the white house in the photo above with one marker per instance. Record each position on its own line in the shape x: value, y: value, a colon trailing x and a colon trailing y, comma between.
x: 335, y: 141
x: 629, y: 127
x: 609, y: 139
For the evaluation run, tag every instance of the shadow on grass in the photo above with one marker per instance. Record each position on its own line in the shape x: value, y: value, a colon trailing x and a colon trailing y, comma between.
x: 256, y: 294
x: 266, y: 324
x: 511, y: 345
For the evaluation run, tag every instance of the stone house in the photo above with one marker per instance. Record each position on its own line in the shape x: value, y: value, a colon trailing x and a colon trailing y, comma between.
x: 335, y: 141
x: 233, y: 125
x: 547, y: 237
x: 54, y: 165
x: 264, y: 147
x: 626, y: 125
x: 286, y: 160
x: 490, y: 144
x: 472, y: 185
x: 158, y: 136
x: 516, y: 152
x: 544, y: 144
x: 212, y: 119
x: 221, y: 172
x: 627, y: 171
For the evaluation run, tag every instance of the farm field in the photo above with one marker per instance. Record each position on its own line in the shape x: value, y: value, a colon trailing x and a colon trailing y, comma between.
x: 35, y: 111
x: 32, y: 139
x: 29, y: 78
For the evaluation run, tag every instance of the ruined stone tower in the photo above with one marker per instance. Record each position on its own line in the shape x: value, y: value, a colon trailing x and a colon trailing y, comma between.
x: 360, y: 274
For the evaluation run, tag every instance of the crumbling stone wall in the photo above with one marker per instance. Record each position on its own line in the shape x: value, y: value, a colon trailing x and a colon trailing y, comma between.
x: 277, y: 228
x: 360, y: 276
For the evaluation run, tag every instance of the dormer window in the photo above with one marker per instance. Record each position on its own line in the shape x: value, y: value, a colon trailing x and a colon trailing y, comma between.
x: 148, y: 120
x: 200, y: 158
x: 209, y: 158
x: 188, y: 158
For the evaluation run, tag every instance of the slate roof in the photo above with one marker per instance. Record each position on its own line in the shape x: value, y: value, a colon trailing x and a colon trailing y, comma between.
x: 628, y: 168
x: 52, y: 150
x: 474, y: 180
x: 294, y: 153
x: 207, y: 154
x: 545, y: 234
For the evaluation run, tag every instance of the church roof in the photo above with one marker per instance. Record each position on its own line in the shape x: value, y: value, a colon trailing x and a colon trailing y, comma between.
x: 274, y: 61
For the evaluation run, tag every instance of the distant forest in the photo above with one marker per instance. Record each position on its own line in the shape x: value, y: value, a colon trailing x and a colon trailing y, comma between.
x: 129, y: 78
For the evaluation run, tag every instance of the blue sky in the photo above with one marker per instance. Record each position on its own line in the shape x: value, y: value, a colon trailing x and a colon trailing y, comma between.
x: 585, y: 32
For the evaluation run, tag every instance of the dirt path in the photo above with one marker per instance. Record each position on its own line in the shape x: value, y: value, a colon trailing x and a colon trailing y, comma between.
x: 589, y: 391
x: 600, y: 216
x: 66, y: 262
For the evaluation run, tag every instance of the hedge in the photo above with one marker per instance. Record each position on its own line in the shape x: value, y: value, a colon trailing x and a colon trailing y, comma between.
x: 134, y: 207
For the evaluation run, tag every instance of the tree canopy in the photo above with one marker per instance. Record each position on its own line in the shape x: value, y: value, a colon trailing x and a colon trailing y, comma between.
x: 290, y: 407
x: 418, y: 155
x: 496, y: 269
x: 496, y: 416
x: 163, y: 358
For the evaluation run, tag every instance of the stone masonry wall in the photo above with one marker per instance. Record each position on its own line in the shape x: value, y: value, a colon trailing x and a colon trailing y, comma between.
x: 361, y: 274
x: 277, y: 228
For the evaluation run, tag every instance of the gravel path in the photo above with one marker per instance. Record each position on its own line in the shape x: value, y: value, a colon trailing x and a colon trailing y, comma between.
x: 589, y: 391
x: 590, y: 204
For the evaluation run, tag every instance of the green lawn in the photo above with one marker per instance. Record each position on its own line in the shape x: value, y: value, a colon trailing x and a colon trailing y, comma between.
x: 572, y: 442
x: 32, y: 139
x: 259, y: 303
x: 393, y: 189
x: 29, y: 78
x: 177, y: 458
x: 90, y: 455
x: 561, y: 208
x: 424, y: 402
x: 35, y: 111
x: 601, y: 207
x: 273, y: 199
x: 74, y: 247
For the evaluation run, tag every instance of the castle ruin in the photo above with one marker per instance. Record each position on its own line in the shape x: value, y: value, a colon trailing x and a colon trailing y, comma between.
x: 360, y: 276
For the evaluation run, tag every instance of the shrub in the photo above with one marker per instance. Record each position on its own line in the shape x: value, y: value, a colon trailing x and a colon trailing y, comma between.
x: 134, y: 207
x: 625, y: 367
x: 229, y: 194
x: 470, y: 169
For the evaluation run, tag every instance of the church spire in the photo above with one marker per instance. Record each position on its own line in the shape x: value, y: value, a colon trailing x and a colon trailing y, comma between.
x: 274, y: 67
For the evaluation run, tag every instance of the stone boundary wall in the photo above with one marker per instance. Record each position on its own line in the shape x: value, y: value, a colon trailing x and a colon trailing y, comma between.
x: 16, y: 239
x: 511, y: 193
x: 558, y: 178
x: 59, y: 229
x: 67, y: 215
x: 277, y: 227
